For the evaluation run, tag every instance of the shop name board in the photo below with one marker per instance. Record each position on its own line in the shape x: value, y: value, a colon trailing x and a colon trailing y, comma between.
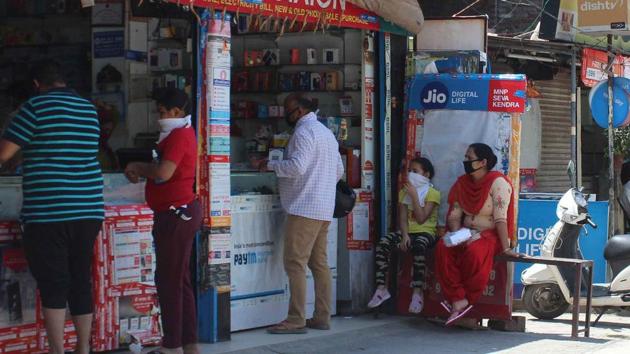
x: 494, y: 93
x: 602, y: 15
x: 334, y: 12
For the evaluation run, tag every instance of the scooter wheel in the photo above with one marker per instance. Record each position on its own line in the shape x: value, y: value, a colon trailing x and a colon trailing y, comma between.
x: 544, y: 301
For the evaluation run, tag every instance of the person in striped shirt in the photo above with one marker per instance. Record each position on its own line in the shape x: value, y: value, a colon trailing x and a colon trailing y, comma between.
x: 58, y: 133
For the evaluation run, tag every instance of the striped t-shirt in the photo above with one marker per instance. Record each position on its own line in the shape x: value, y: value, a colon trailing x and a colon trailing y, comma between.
x: 59, y: 134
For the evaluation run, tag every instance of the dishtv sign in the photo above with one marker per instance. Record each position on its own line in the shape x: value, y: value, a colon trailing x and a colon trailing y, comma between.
x: 603, y: 16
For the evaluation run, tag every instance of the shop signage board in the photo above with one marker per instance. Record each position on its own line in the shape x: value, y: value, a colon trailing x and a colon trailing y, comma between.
x: 598, y: 100
x: 603, y: 16
x: 335, y: 12
x: 537, y: 217
x: 484, y: 92
x: 595, y: 62
x: 109, y: 44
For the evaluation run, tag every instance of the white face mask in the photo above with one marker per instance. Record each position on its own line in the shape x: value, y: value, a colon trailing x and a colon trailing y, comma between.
x: 418, y: 180
x: 170, y: 124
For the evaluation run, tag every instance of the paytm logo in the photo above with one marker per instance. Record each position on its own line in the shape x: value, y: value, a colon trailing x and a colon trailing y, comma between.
x: 434, y: 95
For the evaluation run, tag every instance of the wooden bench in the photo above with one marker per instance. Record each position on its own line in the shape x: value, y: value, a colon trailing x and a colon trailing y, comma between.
x: 579, y: 264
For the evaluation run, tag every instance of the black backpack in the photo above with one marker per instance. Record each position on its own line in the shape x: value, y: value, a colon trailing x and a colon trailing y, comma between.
x: 345, y: 199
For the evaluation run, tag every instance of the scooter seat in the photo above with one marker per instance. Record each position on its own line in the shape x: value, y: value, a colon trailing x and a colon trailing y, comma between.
x: 617, y: 248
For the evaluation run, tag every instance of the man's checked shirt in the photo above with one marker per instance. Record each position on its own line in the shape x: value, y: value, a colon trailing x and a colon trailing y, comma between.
x: 308, y: 177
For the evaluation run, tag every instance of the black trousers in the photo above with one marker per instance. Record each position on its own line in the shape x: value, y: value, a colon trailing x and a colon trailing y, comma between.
x: 60, y: 258
x: 420, y: 243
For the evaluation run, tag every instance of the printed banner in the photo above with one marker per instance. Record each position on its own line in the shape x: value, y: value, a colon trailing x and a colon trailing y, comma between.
x: 335, y: 12
x: 492, y: 93
x: 537, y: 217
x: 360, y: 225
x: 594, y: 64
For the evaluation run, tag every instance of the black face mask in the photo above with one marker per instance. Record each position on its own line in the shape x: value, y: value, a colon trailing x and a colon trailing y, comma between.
x: 468, y: 167
x: 287, y: 118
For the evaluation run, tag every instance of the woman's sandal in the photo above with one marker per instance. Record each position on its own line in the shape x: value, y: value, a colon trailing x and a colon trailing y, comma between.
x: 456, y: 315
x: 447, y: 306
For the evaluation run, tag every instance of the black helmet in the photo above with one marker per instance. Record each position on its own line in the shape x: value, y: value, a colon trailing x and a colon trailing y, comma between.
x: 344, y: 200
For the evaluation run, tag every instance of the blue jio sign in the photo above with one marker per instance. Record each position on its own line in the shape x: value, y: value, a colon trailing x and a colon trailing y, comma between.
x: 537, y: 217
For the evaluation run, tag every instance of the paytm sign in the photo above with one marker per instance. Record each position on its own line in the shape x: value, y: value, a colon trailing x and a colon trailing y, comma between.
x: 537, y: 217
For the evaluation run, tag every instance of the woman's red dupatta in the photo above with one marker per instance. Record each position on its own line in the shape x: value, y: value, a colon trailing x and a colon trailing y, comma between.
x: 471, y: 196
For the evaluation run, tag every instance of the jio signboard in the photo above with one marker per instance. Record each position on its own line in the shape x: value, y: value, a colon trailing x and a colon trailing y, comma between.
x: 537, y: 217
x: 483, y: 92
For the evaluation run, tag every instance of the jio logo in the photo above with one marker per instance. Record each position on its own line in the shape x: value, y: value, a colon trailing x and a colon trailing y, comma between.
x: 434, y: 95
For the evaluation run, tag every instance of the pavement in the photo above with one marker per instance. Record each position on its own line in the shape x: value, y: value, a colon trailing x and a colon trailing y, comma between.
x: 365, y: 334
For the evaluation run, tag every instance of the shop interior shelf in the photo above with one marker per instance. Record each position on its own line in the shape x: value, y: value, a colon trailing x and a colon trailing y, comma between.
x: 275, y: 92
x: 43, y: 45
x: 267, y: 119
x: 277, y: 67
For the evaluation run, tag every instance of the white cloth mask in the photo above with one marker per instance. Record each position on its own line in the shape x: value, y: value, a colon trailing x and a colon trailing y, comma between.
x: 169, y: 124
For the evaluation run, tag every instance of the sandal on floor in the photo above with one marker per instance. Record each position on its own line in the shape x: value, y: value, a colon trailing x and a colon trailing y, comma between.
x: 380, y: 296
x: 416, y: 307
x: 457, y: 315
x: 447, y: 306
x: 285, y: 327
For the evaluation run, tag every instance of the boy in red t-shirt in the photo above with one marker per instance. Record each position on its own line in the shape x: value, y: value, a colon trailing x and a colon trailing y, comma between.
x: 169, y: 192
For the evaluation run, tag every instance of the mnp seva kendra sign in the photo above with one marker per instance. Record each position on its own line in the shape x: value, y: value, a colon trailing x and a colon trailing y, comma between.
x: 335, y: 12
x: 491, y: 93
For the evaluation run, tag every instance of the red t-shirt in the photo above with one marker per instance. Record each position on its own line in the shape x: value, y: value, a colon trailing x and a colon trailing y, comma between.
x: 180, y: 147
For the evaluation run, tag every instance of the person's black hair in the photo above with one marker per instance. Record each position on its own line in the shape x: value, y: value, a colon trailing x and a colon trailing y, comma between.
x: 47, y: 72
x: 625, y: 172
x: 426, y: 164
x: 170, y: 98
x: 484, y: 152
x: 302, y: 102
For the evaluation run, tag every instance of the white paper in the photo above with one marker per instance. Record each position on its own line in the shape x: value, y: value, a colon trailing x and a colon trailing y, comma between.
x: 138, y: 36
x: 361, y: 222
x: 446, y: 147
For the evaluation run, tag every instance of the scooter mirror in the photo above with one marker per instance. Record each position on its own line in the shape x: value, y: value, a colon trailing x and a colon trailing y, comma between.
x: 571, y: 171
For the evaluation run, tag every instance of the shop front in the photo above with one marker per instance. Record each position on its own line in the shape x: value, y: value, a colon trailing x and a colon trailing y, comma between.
x: 117, y: 55
x: 251, y: 63
x: 238, y: 63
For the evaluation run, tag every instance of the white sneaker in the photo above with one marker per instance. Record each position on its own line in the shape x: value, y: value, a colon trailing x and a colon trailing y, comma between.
x: 417, y: 303
x: 380, y: 296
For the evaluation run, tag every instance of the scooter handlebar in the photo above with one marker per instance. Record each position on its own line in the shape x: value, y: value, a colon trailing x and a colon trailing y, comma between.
x: 590, y: 222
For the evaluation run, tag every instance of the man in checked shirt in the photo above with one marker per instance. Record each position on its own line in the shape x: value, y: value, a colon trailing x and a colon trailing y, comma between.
x: 307, y: 180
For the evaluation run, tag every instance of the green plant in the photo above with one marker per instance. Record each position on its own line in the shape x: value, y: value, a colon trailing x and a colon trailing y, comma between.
x: 621, y: 141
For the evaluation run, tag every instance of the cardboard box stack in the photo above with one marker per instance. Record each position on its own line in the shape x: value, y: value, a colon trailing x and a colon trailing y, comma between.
x: 18, y: 320
x: 125, y: 297
x: 124, y: 283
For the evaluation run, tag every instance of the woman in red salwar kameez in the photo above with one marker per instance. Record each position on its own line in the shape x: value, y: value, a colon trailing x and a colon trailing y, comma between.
x: 482, y: 201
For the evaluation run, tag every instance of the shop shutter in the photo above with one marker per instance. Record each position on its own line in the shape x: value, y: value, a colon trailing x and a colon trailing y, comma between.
x: 555, y: 107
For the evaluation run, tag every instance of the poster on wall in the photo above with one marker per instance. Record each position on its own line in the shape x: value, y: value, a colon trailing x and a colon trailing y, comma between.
x: 445, y: 146
x: 368, y: 153
x: 109, y: 44
x: 108, y: 13
x: 259, y: 292
x: 360, y: 223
